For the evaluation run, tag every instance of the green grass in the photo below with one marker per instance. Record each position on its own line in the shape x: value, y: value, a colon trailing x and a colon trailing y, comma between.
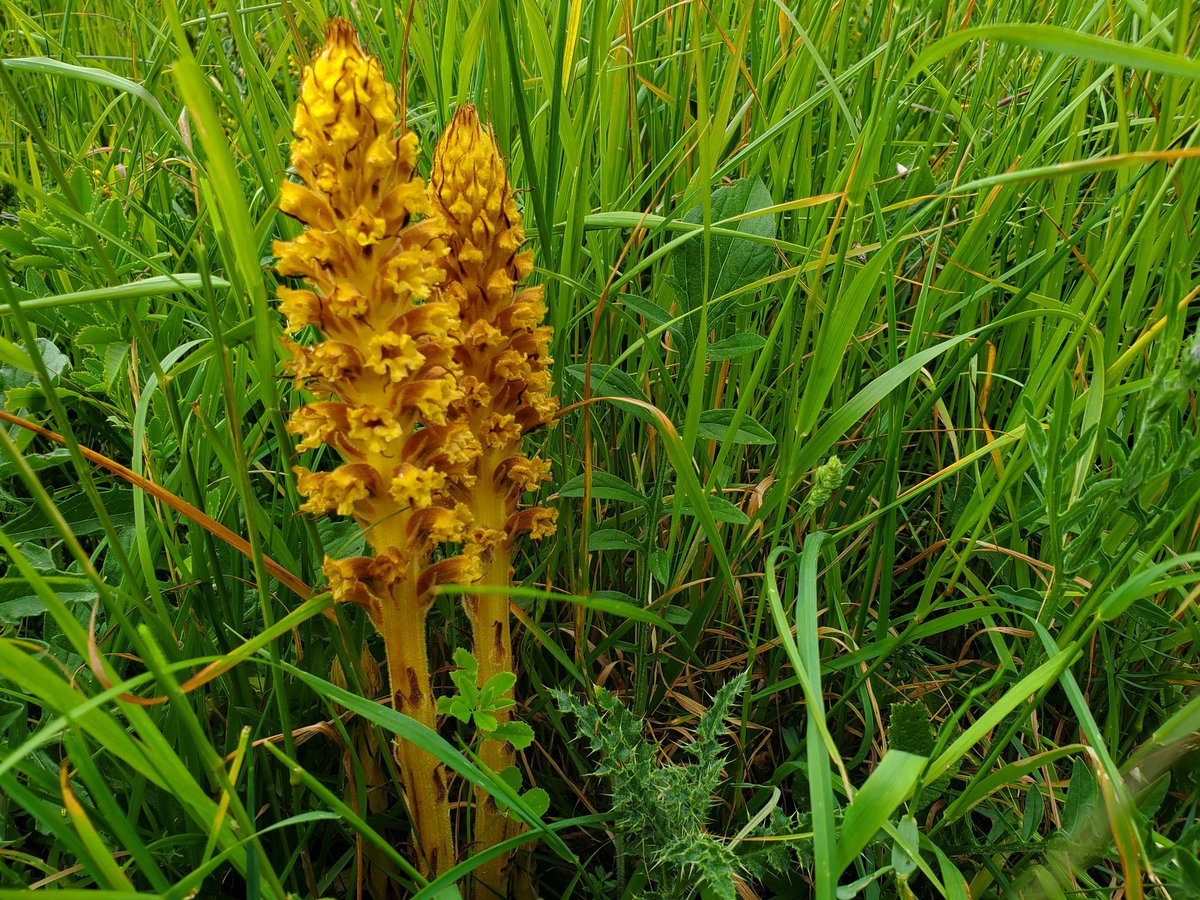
x: 954, y: 244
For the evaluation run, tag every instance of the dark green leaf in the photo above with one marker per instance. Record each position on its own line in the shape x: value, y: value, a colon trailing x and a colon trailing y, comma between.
x: 714, y: 425
x: 612, y: 539
x: 734, y: 346
x: 604, y: 487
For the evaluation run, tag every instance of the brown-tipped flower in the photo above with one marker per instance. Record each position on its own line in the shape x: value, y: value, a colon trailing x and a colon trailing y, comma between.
x: 387, y: 363
x: 504, y: 351
x: 504, y: 383
x: 386, y: 376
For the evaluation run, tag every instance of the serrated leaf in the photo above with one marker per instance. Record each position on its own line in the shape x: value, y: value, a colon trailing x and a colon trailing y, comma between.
x: 465, y: 660
x: 714, y: 425
x: 34, y: 260
x: 115, y: 356
x: 910, y: 728
x: 519, y: 734
x: 96, y: 336
x: 498, y: 685
x: 456, y: 707
x: 464, y: 677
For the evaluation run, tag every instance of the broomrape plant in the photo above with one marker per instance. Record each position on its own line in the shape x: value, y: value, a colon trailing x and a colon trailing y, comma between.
x: 432, y: 368
x: 505, y: 382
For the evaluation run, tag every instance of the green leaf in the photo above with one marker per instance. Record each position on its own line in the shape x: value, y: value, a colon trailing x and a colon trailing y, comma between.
x: 455, y: 706
x: 536, y: 800
x: 98, y: 76
x: 887, y: 787
x: 734, y: 346
x: 902, y: 861
x: 498, y: 685
x: 77, y: 510
x: 519, y: 734
x: 715, y: 425
x: 722, y: 510
x: 155, y: 286
x: 604, y: 487
x: 910, y: 729
x: 1082, y: 795
x: 612, y: 539
x: 735, y: 260
x: 464, y: 677
x: 640, y: 306
x: 60, y: 456
x: 607, y: 381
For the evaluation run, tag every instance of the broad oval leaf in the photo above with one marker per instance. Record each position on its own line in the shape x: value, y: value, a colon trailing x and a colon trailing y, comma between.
x: 607, y: 381
x: 734, y: 346
x: 604, y: 487
x: 722, y: 510
x: 612, y: 539
x: 735, y: 261
x: 714, y: 426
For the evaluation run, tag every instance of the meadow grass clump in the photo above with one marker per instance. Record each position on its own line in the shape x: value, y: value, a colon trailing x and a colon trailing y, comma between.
x: 860, y: 557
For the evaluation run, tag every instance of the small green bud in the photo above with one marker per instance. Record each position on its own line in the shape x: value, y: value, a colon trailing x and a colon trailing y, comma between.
x: 827, y: 479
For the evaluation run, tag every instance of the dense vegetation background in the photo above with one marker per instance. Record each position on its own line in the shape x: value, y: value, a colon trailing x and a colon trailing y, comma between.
x: 952, y: 244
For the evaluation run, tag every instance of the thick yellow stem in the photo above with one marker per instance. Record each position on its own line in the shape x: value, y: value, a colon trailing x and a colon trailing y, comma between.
x: 493, y: 646
x: 424, y: 778
x: 492, y: 633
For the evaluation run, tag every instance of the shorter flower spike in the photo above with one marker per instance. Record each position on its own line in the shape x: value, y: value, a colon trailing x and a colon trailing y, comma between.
x: 504, y: 383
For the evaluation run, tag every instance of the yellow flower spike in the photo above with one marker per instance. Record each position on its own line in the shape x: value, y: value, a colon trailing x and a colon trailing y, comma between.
x: 386, y: 371
x: 502, y: 395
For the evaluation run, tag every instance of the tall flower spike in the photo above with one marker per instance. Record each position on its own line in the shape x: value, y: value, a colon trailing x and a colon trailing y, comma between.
x: 504, y: 384
x: 386, y: 374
